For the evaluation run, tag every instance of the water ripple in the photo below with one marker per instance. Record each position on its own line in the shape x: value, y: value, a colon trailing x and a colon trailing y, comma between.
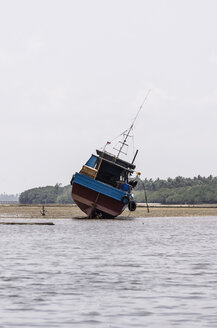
x: 158, y: 272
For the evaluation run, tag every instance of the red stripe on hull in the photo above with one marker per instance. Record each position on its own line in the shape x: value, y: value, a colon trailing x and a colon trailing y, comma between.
x: 89, y: 200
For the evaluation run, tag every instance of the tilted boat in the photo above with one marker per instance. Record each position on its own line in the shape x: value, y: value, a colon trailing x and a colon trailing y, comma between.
x: 103, y: 187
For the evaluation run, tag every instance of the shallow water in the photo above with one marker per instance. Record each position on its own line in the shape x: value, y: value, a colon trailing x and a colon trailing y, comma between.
x: 151, y: 272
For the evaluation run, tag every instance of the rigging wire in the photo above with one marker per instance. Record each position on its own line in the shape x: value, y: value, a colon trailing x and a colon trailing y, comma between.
x: 126, y: 133
x: 133, y: 142
x: 140, y: 108
x: 118, y: 136
x: 131, y: 126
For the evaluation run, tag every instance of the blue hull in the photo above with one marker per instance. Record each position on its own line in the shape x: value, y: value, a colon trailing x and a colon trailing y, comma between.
x: 93, y: 196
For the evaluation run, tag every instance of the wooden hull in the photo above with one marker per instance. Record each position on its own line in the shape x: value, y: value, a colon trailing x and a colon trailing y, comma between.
x: 94, y: 203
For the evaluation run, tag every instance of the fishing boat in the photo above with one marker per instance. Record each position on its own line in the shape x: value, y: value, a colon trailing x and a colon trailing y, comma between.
x: 103, y: 187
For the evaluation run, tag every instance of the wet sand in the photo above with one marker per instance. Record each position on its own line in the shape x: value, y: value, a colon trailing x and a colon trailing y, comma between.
x: 72, y: 211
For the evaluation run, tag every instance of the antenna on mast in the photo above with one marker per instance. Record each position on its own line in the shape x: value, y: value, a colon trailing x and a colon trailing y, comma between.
x: 132, y: 125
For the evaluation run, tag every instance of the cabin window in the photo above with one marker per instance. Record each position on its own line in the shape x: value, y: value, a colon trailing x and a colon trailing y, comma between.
x: 92, y: 162
x: 110, y: 173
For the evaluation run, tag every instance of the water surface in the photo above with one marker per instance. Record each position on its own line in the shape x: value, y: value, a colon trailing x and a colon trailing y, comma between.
x: 151, y: 272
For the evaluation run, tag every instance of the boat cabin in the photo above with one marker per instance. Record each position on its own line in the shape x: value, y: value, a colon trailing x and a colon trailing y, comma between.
x: 109, y: 169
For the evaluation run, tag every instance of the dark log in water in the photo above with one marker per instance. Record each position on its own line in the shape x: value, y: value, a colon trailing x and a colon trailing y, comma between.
x: 28, y: 223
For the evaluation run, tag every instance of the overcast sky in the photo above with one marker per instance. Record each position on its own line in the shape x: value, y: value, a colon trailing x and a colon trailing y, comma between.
x: 74, y: 73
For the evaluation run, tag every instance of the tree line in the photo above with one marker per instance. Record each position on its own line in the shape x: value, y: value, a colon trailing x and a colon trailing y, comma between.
x: 180, y: 190
x: 47, y: 195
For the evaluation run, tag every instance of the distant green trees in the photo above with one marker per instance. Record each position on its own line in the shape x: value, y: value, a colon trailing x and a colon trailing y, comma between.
x: 47, y: 195
x: 199, y: 190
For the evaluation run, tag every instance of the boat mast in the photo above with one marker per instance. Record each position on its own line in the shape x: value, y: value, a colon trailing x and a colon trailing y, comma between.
x: 132, y: 125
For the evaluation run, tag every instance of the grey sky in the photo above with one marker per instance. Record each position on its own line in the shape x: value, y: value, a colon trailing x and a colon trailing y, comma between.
x: 74, y: 73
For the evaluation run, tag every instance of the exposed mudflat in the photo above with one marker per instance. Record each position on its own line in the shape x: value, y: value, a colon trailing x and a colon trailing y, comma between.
x: 72, y: 211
